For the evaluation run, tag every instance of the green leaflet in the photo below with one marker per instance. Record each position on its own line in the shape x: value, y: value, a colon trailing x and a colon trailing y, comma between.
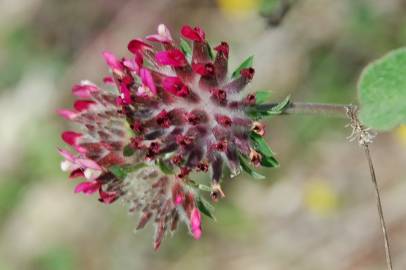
x: 205, y: 207
x: 262, y: 96
x: 247, y: 168
x: 246, y: 64
x: 382, y: 92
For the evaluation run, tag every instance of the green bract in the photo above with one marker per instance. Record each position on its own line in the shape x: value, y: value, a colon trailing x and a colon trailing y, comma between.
x: 246, y: 64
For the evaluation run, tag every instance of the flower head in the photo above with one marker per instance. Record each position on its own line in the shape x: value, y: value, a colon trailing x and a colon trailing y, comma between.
x: 174, y: 111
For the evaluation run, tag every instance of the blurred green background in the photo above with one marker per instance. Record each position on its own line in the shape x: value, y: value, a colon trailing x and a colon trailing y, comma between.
x: 317, y: 211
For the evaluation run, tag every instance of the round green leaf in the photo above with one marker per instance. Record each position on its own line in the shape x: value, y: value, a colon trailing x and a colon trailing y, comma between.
x: 382, y: 92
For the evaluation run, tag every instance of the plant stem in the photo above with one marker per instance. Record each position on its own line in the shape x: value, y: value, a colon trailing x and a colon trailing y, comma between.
x: 333, y: 110
x: 360, y: 131
x: 380, y: 210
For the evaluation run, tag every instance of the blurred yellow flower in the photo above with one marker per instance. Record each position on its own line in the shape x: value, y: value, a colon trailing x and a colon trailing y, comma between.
x: 320, y: 197
x: 238, y: 7
x: 400, y: 134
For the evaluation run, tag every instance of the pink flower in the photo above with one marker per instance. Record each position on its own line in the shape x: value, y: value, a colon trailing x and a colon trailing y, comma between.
x: 170, y: 116
x: 67, y: 114
x: 137, y: 46
x: 83, y: 105
x: 112, y: 61
x: 88, y: 187
x: 108, y: 80
x: 132, y: 65
x: 195, y: 34
x: 175, y: 86
x: 84, y: 89
x: 163, y: 36
x: 195, y: 223
x: 71, y: 137
x: 172, y: 57
x: 107, y: 197
x: 147, y: 80
x: 125, y: 94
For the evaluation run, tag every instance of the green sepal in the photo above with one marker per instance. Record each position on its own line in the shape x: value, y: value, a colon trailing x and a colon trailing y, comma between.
x: 121, y: 172
x: 256, y: 112
x: 204, y: 187
x: 165, y: 166
x: 128, y: 151
x: 205, y: 207
x: 247, y: 168
x: 270, y: 162
x: 260, y: 145
x: 185, y: 47
x: 210, y: 51
x: 246, y: 64
x: 278, y: 109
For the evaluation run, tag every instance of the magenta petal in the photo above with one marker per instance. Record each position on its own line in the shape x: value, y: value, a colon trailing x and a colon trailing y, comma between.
x: 67, y: 155
x: 195, y: 223
x: 76, y: 173
x: 67, y: 114
x: 173, y: 57
x: 71, y: 137
x: 88, y: 163
x: 158, y: 38
x: 137, y: 45
x: 132, y: 65
x: 147, y: 80
x: 80, y: 149
x: 112, y: 61
x: 108, y: 80
x: 126, y: 94
x: 163, y: 36
x: 84, y: 89
x: 195, y: 34
x: 107, y: 197
x: 178, y: 199
x: 199, y: 68
x: 82, y: 105
x: 223, y: 48
x: 175, y: 86
x: 88, y: 187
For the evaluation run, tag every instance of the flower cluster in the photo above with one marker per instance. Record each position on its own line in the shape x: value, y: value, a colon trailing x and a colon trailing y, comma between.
x: 174, y: 111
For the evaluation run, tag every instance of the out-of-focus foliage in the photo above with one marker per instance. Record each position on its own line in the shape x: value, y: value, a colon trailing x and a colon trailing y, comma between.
x: 238, y: 7
x: 320, y: 197
x: 401, y: 134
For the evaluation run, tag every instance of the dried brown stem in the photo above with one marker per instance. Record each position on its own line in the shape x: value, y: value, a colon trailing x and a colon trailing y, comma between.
x: 379, y: 206
x: 359, y: 132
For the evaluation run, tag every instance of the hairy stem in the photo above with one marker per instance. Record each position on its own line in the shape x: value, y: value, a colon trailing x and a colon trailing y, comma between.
x: 359, y: 131
x: 334, y: 110
x: 379, y: 206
